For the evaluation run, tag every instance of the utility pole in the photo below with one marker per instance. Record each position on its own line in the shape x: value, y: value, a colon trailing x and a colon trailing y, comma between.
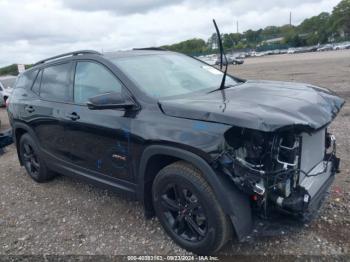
x: 237, y: 27
x: 290, y: 19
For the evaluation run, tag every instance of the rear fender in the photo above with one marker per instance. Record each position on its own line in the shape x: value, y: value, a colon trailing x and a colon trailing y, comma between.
x: 27, y: 129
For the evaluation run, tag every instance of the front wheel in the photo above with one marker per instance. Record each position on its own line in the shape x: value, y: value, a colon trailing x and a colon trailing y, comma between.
x: 188, y: 209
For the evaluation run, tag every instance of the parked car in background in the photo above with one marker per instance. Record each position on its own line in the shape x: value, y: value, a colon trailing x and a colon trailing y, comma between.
x: 283, y: 51
x: 230, y: 60
x: 5, y: 93
x: 209, y: 59
x: 291, y: 50
x: 208, y: 153
x: 342, y: 46
x: 327, y: 47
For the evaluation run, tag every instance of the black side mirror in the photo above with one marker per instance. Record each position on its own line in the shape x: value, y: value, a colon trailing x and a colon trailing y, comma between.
x: 110, y: 101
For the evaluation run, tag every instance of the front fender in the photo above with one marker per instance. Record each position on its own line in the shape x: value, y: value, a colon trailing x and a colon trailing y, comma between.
x: 235, y: 204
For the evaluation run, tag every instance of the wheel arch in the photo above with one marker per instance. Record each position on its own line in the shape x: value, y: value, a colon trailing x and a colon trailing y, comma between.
x: 234, y: 203
x: 18, y: 130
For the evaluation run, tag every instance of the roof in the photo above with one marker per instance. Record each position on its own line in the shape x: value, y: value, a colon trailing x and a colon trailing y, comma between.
x: 108, y: 55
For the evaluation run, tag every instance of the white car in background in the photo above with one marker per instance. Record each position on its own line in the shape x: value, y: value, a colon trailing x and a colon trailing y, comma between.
x: 291, y: 50
x: 342, y: 46
x: 4, y: 94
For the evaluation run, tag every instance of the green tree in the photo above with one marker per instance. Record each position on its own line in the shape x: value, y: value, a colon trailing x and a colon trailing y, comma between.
x: 190, y: 46
x: 293, y: 39
x: 341, y: 17
x: 317, y: 28
x: 9, y: 70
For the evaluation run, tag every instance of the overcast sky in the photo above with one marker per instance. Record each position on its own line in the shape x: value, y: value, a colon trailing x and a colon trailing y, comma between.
x: 34, y: 29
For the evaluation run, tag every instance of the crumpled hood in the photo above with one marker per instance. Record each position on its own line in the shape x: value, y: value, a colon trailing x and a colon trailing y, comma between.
x: 261, y: 105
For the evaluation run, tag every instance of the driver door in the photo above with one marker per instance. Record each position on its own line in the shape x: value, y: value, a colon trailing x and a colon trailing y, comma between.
x: 99, y: 139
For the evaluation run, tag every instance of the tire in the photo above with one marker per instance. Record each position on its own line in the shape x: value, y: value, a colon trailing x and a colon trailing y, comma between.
x: 188, y: 209
x: 32, y: 160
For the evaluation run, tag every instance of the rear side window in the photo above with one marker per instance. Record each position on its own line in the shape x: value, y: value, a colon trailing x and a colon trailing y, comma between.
x: 56, y: 83
x: 26, y: 79
x: 93, y: 79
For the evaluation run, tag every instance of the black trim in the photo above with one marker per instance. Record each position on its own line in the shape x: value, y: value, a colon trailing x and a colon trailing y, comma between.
x: 318, y: 199
x: 75, y: 53
x: 150, y: 49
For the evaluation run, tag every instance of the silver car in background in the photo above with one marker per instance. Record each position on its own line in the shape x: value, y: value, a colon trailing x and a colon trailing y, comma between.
x: 5, y: 93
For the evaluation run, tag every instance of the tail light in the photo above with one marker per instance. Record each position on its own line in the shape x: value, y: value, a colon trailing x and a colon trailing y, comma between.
x: 7, y: 102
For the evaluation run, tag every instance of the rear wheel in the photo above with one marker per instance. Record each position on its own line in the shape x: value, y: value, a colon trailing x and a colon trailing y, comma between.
x: 32, y: 161
x: 188, y: 209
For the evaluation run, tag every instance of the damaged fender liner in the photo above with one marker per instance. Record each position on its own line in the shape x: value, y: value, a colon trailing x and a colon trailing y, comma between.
x: 261, y: 105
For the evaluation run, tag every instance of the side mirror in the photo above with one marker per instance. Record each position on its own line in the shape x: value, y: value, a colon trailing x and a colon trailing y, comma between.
x: 110, y: 101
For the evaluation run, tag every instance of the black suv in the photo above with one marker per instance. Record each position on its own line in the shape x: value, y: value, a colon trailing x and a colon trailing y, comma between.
x: 153, y: 124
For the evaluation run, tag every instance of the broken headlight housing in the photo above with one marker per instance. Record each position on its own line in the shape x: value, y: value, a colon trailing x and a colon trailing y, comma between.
x: 262, y: 163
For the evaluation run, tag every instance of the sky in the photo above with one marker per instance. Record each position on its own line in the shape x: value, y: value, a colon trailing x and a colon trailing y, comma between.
x: 31, y: 30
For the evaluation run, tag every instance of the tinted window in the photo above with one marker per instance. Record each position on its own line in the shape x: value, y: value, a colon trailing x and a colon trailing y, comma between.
x: 93, y: 79
x: 36, y: 85
x: 26, y: 79
x: 55, y: 83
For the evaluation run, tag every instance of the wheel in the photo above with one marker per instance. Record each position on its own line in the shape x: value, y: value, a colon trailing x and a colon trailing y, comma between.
x: 188, y: 209
x: 32, y: 161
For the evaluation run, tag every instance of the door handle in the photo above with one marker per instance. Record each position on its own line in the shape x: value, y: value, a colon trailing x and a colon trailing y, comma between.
x: 73, y: 116
x: 29, y: 109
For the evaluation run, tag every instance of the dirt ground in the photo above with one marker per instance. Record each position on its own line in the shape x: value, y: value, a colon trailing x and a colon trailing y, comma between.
x: 69, y: 217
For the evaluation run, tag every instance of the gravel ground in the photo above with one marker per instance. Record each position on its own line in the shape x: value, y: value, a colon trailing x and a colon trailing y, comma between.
x: 66, y: 216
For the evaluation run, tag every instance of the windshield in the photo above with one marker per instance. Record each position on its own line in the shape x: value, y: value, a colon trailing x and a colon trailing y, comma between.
x: 161, y: 75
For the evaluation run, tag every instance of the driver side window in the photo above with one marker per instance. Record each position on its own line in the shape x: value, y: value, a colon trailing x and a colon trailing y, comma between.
x: 92, y: 79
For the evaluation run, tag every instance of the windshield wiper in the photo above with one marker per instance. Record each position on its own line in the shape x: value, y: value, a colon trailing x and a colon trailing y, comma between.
x: 225, y: 87
x: 222, y: 54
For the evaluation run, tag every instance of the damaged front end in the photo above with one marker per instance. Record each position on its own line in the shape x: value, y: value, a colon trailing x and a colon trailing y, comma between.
x: 289, y: 171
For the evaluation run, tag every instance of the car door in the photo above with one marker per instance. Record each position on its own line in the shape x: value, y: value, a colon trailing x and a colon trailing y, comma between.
x: 49, y: 107
x: 99, y: 139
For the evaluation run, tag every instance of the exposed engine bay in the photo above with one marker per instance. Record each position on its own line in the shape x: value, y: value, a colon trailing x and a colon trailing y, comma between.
x: 283, y: 170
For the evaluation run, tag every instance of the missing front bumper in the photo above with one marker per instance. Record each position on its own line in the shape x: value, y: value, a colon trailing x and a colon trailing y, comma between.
x: 308, y: 196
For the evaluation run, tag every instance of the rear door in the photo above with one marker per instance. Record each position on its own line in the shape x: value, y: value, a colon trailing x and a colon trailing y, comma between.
x: 99, y: 139
x: 53, y: 89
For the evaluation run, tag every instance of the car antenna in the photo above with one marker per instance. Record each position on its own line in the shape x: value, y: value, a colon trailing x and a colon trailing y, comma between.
x: 222, y: 54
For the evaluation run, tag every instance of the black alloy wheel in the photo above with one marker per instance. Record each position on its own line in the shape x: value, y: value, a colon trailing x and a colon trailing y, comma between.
x: 184, y: 213
x: 188, y: 210
x: 30, y: 160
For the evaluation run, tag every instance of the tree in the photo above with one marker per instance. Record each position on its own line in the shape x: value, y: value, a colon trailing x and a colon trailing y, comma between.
x: 213, y: 41
x: 252, y: 37
x: 317, y: 28
x: 293, y: 39
x: 190, y: 46
x: 314, y: 30
x: 9, y: 70
x: 341, y: 17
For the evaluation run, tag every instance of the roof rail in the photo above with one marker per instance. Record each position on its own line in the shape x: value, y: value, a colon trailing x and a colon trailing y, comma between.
x: 80, y: 52
x: 151, y: 48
